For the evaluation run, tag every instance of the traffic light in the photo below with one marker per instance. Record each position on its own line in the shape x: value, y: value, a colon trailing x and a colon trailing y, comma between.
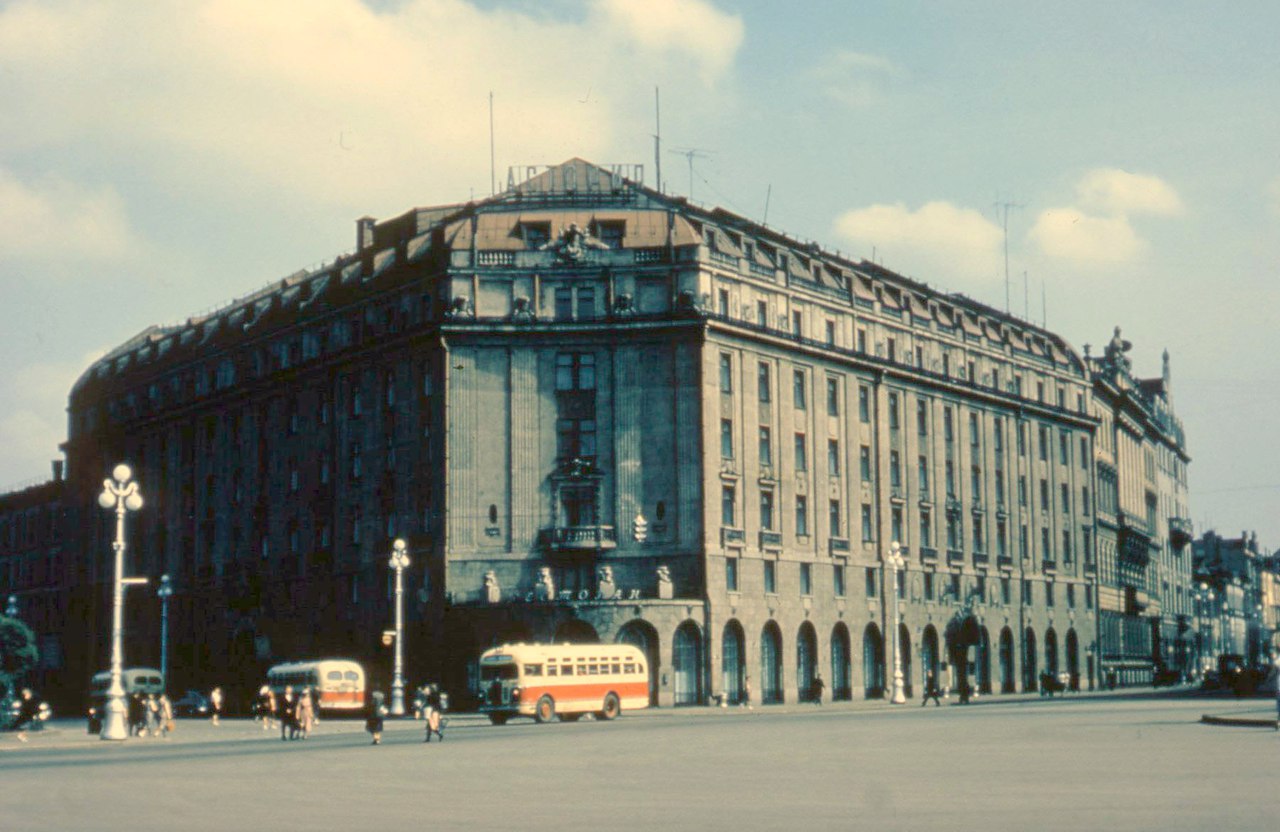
x: 639, y: 528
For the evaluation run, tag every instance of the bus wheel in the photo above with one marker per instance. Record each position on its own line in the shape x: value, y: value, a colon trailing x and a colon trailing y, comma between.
x: 611, y: 707
x: 545, y: 711
x: 498, y: 719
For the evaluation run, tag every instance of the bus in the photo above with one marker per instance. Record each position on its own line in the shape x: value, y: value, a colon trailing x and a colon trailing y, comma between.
x: 339, y: 683
x: 566, y: 680
x: 146, y: 680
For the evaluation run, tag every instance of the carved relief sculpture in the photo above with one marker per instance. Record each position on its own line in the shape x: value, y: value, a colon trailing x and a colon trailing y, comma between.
x: 666, y: 589
x: 545, y: 589
x: 492, y: 592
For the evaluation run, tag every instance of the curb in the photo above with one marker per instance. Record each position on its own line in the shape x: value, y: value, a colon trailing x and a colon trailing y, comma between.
x: 1240, y: 722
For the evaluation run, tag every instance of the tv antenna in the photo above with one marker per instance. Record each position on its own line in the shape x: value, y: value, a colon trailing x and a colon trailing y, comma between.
x: 1004, y: 208
x: 692, y: 153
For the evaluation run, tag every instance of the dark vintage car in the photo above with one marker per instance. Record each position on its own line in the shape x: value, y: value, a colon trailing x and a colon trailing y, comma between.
x: 192, y: 703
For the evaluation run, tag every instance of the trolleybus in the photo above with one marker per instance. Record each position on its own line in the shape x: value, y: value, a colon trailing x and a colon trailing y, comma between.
x: 566, y: 680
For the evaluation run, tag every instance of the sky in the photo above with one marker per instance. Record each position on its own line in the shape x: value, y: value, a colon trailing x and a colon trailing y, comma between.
x: 160, y: 159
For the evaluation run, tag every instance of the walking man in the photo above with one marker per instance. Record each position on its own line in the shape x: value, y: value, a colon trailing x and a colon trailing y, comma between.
x: 931, y: 691
x: 818, y: 687
x: 215, y: 704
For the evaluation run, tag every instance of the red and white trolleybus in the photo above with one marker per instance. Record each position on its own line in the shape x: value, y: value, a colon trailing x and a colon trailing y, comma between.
x: 566, y: 680
x: 339, y: 683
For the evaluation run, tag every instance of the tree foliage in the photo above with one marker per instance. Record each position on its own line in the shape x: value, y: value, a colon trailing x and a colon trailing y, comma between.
x: 18, y: 652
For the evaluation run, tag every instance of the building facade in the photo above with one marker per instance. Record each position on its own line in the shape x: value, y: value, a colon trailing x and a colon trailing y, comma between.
x: 1143, y: 521
x: 595, y: 411
x: 1236, y: 593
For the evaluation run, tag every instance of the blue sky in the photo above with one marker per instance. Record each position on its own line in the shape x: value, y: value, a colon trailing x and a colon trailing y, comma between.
x: 161, y: 159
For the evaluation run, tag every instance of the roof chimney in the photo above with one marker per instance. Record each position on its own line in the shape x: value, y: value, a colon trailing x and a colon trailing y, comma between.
x: 57, y: 470
x: 364, y: 232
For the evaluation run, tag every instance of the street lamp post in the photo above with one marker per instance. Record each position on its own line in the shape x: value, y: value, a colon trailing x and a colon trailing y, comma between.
x: 120, y: 494
x: 896, y: 561
x: 164, y: 591
x: 399, y: 560
x: 11, y: 608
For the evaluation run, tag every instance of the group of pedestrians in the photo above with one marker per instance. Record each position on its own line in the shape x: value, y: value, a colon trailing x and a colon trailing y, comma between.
x: 149, y: 715
x: 430, y: 705
x: 27, y: 713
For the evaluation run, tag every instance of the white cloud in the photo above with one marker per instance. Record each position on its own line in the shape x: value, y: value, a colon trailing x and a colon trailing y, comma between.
x: 1070, y: 234
x: 697, y: 28
x: 345, y: 105
x: 1112, y: 191
x: 938, y: 242
x: 854, y: 79
x: 55, y: 219
x: 33, y: 423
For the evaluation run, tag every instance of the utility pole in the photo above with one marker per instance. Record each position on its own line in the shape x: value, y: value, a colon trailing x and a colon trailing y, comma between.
x: 1004, y: 208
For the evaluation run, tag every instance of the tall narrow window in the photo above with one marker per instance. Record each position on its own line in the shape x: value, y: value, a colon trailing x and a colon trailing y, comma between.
x: 762, y: 382
x: 893, y: 411
x: 726, y: 438
x: 802, y: 515
x: 864, y: 404
x: 728, y: 506
x: 766, y: 446
x: 864, y: 462
x: 802, y: 457
x: 726, y: 373
x: 833, y: 517
x: 766, y: 510
x: 833, y: 457
x: 799, y: 397
x: 922, y: 417
x: 833, y: 397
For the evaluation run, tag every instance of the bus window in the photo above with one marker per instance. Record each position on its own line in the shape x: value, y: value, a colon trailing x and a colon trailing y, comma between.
x: 552, y: 670
x: 629, y: 667
x: 617, y: 668
x: 533, y: 670
x: 566, y: 670
x: 334, y: 675
x: 351, y: 676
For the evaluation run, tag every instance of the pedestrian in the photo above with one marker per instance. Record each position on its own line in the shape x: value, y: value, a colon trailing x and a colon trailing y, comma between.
x: 931, y: 690
x: 215, y: 705
x: 288, y: 713
x: 946, y: 681
x: 374, y: 713
x: 153, y: 715
x: 435, y: 707
x: 166, y: 715
x: 305, y: 714
x: 28, y: 712
x: 818, y: 687
x: 137, y: 715
x: 746, y: 693
x: 265, y: 706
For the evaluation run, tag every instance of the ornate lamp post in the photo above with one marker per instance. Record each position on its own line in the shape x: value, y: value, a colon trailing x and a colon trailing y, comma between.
x: 399, y: 560
x: 897, y: 562
x: 164, y: 591
x: 11, y: 608
x: 120, y: 494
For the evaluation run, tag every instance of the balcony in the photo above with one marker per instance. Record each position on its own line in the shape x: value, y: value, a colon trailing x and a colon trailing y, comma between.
x: 770, y: 540
x: 581, y: 538
x: 1090, y: 567
x: 1048, y: 565
x: 839, y: 546
x: 1181, y: 531
x: 981, y: 559
x: 928, y: 555
x: 955, y: 557
x: 1004, y: 561
x: 732, y: 537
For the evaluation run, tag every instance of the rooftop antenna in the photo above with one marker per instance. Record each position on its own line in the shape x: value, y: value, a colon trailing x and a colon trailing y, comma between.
x: 1004, y: 207
x: 767, y: 194
x: 657, y: 137
x: 493, y: 175
x: 1044, y: 305
x: 691, y: 153
x: 1026, y: 306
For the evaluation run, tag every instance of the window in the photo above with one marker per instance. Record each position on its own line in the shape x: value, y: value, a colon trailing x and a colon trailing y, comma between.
x: 357, y: 461
x: 864, y: 462
x: 1006, y: 591
x: 999, y: 487
x: 975, y: 483
x: 722, y: 302
x: 922, y: 471
x: 892, y: 349
x: 833, y: 397
x: 1045, y: 547
x: 837, y: 580
x: 871, y: 583
x: 1044, y: 495
x: 926, y: 528
x: 948, y: 426
x: 564, y: 303
x: 802, y: 515
x: 802, y: 460
x: 973, y: 429
x: 766, y: 446
x: 922, y: 417
x: 928, y: 586
x: 728, y: 506
x: 831, y: 333
x: 726, y: 373
x: 575, y: 371
x: 1022, y: 439
x: 833, y: 517
x: 726, y: 439
x: 1064, y: 449
x: 862, y: 340
x: 864, y: 404
x: 1002, y: 543
x: 1026, y: 592
x: 895, y: 524
x: 833, y: 457
x: 1022, y: 489
x: 1066, y: 499
x: 797, y: 324
x: 867, y: 536
x: 950, y: 473
x: 893, y: 411
x: 586, y: 303
x: 1067, y: 555
x: 762, y: 312
x: 895, y: 470
x: 1088, y: 597
x: 1044, y: 443
x: 766, y: 510
x: 997, y: 434
x: 979, y: 541
x: 799, y: 398
x: 1048, y: 595
x: 1084, y: 453
x: 770, y: 576
x: 1071, y: 596
x: 357, y: 402
x: 806, y: 579
x: 731, y: 574
x: 576, y: 439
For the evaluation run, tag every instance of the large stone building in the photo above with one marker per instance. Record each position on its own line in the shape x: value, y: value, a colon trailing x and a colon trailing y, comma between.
x: 1143, y: 521
x: 1236, y: 594
x: 597, y: 411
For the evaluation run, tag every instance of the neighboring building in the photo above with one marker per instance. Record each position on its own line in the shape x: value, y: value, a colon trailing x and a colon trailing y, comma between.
x: 1237, y: 592
x: 598, y: 412
x: 35, y: 571
x: 1144, y: 574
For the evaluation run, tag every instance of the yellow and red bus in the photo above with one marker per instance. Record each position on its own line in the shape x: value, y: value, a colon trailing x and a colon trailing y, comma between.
x: 566, y: 680
x: 339, y: 682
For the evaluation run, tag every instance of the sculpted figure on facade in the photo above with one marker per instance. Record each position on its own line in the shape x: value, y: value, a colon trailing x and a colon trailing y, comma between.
x: 545, y: 590
x: 605, y: 587
x: 572, y: 244
x: 666, y: 589
x: 492, y: 592
x: 1115, y: 353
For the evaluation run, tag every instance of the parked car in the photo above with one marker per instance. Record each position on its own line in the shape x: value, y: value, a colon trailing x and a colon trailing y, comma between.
x: 191, y: 703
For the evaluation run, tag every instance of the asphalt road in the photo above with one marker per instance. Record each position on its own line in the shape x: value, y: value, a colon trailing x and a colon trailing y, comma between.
x: 1102, y: 763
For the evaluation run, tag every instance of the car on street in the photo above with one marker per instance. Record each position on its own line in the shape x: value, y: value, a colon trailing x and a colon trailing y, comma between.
x: 191, y: 703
